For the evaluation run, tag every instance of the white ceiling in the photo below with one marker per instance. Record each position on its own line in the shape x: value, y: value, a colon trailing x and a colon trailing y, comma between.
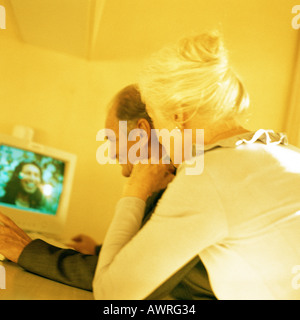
x: 106, y: 29
x: 111, y: 29
x: 120, y: 29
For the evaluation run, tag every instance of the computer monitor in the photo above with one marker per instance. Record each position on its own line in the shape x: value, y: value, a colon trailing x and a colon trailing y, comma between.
x: 35, y: 184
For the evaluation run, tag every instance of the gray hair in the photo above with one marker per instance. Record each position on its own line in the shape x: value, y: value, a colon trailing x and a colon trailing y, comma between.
x: 129, y: 105
x: 193, y: 77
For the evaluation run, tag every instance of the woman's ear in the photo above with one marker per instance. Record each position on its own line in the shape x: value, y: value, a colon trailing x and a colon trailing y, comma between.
x: 180, y: 120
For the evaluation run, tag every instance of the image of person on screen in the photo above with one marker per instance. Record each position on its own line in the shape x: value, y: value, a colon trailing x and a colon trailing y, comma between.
x: 23, y: 189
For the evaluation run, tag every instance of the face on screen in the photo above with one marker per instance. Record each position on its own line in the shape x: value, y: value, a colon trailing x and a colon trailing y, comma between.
x: 30, y: 180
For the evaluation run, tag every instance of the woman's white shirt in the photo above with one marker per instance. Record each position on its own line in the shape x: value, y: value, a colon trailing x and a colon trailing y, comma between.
x: 241, y: 216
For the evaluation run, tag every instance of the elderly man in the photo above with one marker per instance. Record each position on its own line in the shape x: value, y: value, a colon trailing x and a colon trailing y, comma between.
x: 75, y: 267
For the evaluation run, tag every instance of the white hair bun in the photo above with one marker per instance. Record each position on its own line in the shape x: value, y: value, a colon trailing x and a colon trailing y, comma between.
x: 206, y: 48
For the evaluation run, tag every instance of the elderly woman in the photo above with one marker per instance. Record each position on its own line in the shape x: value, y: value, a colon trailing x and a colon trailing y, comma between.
x: 240, y: 216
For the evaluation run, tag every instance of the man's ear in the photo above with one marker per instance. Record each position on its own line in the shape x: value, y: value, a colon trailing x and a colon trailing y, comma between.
x: 145, y: 125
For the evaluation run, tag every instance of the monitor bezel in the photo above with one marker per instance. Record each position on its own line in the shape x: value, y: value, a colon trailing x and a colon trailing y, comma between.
x: 31, y: 221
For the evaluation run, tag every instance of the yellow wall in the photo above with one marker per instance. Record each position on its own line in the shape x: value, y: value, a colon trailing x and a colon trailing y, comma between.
x: 63, y: 98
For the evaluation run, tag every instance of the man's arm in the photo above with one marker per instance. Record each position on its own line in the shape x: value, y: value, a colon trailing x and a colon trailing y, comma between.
x: 63, y: 265
x: 66, y: 265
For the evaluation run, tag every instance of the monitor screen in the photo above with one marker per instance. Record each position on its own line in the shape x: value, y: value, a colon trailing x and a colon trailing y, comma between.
x: 30, y: 181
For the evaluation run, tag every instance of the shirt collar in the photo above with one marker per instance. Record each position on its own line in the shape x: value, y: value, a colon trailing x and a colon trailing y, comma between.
x: 267, y: 137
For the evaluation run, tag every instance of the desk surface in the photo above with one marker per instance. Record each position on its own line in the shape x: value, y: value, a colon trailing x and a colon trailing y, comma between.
x: 23, y: 285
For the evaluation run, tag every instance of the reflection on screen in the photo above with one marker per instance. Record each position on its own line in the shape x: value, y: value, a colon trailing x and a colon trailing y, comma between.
x: 30, y: 181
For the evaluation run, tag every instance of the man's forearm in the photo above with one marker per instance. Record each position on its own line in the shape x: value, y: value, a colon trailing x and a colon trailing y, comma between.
x: 63, y: 265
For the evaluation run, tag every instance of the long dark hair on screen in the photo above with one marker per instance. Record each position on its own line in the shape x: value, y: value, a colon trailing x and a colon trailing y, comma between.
x: 14, y: 188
